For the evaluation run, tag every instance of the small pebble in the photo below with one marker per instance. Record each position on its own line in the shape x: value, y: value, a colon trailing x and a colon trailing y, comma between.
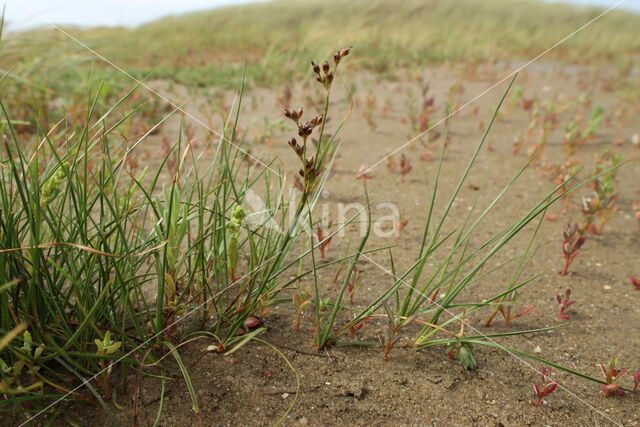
x: 285, y: 395
x: 606, y: 287
x: 537, y: 349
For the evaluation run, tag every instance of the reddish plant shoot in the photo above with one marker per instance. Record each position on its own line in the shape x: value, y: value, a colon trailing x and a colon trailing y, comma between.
x: 355, y: 328
x: 391, y: 164
x: 399, y: 223
x: 573, y: 241
x: 405, y: 166
x: 636, y: 380
x: 362, y: 172
x: 547, y: 387
x: 353, y: 283
x: 635, y: 282
x: 611, y: 377
x: 323, y: 241
x: 564, y: 303
x: 504, y: 308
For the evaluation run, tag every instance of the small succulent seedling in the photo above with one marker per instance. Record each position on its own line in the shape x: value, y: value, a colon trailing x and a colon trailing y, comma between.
x: 636, y: 380
x: 547, y: 387
x: 564, y: 302
x: 606, y: 197
x: 370, y: 105
x: 607, y: 207
x: 611, y: 376
x: 405, y: 166
x: 589, y: 207
x: 353, y: 283
x: 10, y: 381
x: 106, y: 347
x: 395, y: 324
x: 323, y: 240
x: 355, y: 328
x: 506, y: 313
x: 572, y: 242
x: 301, y: 300
x: 399, y: 223
x: 363, y: 172
x: 635, y: 282
x: 597, y: 115
x: 564, y: 175
x: 391, y: 163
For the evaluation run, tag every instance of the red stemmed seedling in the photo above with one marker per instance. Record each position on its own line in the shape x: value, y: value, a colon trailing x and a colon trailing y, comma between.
x: 396, y: 323
x: 363, y: 172
x: 356, y: 277
x: 564, y: 303
x: 405, y: 166
x: 547, y: 387
x: 400, y: 223
x: 612, y: 375
x: 573, y: 241
x: 636, y: 380
x: 301, y: 299
x: 635, y: 282
x: 504, y: 308
x: 323, y: 241
x: 355, y: 328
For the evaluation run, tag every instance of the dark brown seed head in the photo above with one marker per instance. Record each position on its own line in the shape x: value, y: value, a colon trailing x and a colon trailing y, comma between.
x: 325, y: 67
x: 301, y: 172
x: 317, y: 120
x: 330, y: 78
x: 336, y: 58
x: 318, y: 78
x: 344, y: 52
x: 287, y: 113
x: 304, y: 130
x: 293, y: 143
x: 300, y: 111
x: 309, y: 163
x: 316, y: 68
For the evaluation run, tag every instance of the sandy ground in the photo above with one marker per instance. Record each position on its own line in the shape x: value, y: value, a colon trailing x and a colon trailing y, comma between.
x: 353, y: 385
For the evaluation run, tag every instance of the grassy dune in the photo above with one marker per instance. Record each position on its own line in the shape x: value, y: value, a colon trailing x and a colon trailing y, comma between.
x: 408, y: 30
x: 205, y: 47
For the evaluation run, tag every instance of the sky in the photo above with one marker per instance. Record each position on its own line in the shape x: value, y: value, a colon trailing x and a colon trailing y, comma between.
x: 25, y: 14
